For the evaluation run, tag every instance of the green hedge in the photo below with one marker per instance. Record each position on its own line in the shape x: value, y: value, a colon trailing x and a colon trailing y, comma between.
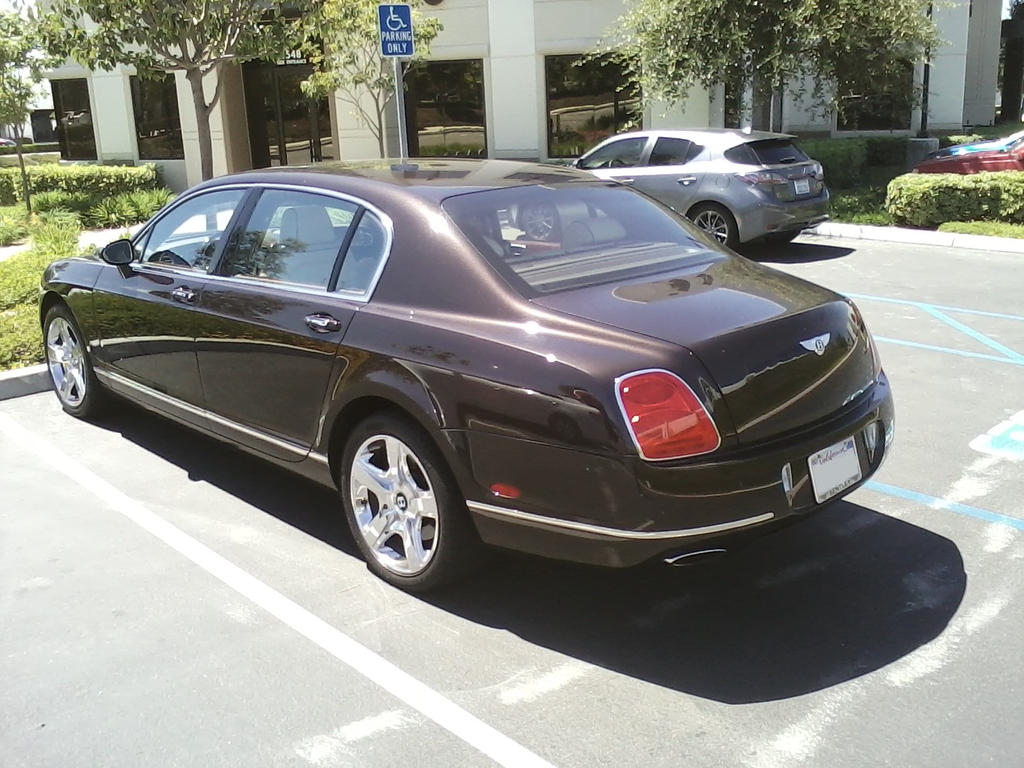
x: 27, y: 149
x: 842, y: 159
x: 930, y: 199
x: 962, y: 138
x: 99, y: 180
x: 886, y: 150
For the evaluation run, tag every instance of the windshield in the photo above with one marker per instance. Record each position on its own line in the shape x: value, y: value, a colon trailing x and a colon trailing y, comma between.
x: 554, y: 238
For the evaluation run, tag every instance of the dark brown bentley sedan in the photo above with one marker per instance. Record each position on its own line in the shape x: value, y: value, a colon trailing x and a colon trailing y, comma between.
x: 481, y: 352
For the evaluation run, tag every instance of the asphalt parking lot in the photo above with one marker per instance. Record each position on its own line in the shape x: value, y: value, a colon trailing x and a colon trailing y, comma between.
x: 166, y: 600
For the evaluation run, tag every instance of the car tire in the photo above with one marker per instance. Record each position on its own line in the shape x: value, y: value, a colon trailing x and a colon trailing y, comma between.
x: 781, y: 238
x: 69, y: 365
x: 717, y: 221
x: 404, y: 509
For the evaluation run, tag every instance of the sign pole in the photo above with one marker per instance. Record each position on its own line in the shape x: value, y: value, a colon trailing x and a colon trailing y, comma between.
x: 400, y: 104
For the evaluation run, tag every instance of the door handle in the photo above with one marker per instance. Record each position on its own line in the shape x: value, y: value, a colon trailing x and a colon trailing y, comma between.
x: 686, y: 180
x: 323, y: 323
x: 183, y: 294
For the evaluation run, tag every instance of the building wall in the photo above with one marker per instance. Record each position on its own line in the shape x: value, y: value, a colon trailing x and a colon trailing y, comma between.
x: 512, y: 38
x: 982, y: 73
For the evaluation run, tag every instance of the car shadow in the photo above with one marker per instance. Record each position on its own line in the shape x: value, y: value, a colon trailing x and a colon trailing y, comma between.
x: 845, y: 592
x: 797, y: 252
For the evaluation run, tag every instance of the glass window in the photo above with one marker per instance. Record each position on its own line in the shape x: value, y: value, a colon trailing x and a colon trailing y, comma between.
x: 674, y: 151
x: 587, y: 101
x: 563, y: 236
x: 187, y: 235
x: 885, y: 106
x: 74, y: 119
x: 364, y: 256
x: 291, y: 237
x: 157, y: 124
x: 444, y: 105
x: 766, y: 152
x: 618, y: 154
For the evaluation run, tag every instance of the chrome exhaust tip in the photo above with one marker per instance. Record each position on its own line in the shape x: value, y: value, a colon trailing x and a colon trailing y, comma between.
x: 693, y: 558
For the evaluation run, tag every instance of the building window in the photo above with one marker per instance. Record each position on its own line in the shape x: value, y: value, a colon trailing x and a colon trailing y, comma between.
x: 157, y: 124
x: 587, y: 101
x: 74, y: 119
x: 444, y: 106
x: 884, y: 107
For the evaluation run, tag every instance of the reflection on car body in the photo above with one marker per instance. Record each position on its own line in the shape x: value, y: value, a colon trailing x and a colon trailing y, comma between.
x: 611, y: 389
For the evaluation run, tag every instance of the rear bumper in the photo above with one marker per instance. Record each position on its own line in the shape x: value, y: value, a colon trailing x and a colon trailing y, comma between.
x: 623, y: 511
x: 767, y: 217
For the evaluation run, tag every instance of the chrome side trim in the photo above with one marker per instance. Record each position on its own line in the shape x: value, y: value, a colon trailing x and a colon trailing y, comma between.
x: 319, y: 458
x: 181, y: 405
x: 617, y: 533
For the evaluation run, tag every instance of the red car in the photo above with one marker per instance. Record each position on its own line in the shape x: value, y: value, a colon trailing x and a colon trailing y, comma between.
x: 1009, y: 159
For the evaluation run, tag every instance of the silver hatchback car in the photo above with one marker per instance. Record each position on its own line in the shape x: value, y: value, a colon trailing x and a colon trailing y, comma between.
x: 738, y: 186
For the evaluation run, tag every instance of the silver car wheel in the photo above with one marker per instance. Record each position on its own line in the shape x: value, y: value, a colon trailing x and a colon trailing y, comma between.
x: 537, y: 221
x: 394, y: 505
x: 66, y: 360
x: 714, y: 224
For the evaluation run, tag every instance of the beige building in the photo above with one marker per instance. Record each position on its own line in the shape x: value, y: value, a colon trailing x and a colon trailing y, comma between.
x: 501, y: 82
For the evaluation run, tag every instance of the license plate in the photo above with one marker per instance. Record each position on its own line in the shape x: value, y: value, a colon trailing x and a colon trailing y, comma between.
x: 834, y: 469
x: 802, y: 186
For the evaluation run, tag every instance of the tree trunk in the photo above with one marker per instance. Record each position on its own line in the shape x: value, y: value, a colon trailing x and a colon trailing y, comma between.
x: 25, y: 186
x: 761, y: 104
x: 195, y: 81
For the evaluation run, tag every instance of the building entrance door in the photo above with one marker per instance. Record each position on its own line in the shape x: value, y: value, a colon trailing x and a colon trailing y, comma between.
x: 285, y: 127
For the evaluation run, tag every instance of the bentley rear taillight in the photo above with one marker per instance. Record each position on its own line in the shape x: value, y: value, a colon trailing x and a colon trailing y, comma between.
x: 665, y: 418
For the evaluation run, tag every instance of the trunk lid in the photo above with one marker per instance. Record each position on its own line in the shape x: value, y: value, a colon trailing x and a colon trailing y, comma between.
x: 785, y: 353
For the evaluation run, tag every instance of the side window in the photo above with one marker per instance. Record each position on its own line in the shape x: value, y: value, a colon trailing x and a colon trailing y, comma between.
x: 674, y: 151
x: 291, y: 237
x: 187, y: 235
x: 365, y: 254
x: 624, y: 153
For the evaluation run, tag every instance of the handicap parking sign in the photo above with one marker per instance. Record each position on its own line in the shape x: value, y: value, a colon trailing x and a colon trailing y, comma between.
x: 395, y: 30
x: 1005, y: 439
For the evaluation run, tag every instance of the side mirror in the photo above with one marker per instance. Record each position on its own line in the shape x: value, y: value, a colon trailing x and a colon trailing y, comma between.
x: 575, y: 163
x: 119, y: 253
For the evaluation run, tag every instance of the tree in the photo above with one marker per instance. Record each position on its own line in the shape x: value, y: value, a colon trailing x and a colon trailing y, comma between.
x: 197, y: 37
x: 21, y: 66
x: 667, y: 47
x: 350, y: 62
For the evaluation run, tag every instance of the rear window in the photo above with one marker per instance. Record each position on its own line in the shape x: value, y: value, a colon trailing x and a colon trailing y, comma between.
x: 545, y: 239
x: 766, y: 152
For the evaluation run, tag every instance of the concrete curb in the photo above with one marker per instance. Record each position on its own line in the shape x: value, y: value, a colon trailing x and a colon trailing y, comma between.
x: 918, y: 237
x: 24, y: 381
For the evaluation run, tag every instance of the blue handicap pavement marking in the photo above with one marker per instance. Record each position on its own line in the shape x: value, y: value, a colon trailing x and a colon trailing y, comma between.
x: 396, y: 37
x: 951, y: 506
x: 939, y: 312
x: 1005, y: 439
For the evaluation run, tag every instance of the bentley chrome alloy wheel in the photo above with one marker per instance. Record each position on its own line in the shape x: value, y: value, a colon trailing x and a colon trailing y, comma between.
x: 66, y: 360
x: 394, y: 505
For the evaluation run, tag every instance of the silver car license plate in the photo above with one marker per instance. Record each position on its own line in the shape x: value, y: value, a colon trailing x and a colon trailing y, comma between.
x: 834, y: 469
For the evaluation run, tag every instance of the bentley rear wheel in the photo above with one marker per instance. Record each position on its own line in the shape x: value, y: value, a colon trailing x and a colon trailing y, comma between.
x: 405, y: 512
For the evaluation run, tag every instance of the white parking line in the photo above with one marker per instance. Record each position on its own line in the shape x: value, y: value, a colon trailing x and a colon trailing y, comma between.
x: 417, y: 695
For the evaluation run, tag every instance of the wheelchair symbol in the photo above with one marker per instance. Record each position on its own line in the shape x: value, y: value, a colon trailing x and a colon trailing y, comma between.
x: 393, y: 22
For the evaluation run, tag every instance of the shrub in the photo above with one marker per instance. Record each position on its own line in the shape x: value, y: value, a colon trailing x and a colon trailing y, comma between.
x: 21, y: 341
x: 930, y: 199
x: 56, y: 237
x: 146, y: 202
x: 963, y: 138
x: 58, y: 200
x: 99, y: 180
x: 13, y: 226
x: 842, y: 159
x: 27, y: 149
x: 886, y: 150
